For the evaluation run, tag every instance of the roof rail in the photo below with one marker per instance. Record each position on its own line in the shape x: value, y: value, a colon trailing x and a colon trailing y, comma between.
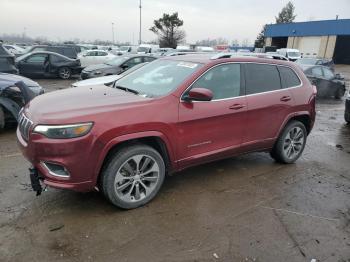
x: 257, y: 55
x: 221, y: 56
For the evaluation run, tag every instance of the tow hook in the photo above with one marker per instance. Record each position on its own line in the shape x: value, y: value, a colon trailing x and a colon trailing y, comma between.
x: 35, y: 181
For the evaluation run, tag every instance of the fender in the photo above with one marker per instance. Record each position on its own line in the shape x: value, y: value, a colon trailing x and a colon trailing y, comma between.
x: 11, y: 106
x: 117, y: 140
x: 289, y: 117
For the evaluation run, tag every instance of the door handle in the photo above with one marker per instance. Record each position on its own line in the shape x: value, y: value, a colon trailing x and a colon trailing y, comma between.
x: 285, y: 98
x: 237, y: 106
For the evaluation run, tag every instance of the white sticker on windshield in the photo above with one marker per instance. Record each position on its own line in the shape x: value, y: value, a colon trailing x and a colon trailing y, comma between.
x: 188, y: 65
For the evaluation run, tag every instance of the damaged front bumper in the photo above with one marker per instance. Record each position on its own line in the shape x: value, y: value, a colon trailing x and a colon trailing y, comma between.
x: 35, y: 180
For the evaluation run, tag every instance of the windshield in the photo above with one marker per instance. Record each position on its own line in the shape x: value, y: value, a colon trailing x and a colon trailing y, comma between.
x: 293, y: 54
x: 117, y: 61
x: 143, y: 49
x: 307, y: 61
x: 159, y: 77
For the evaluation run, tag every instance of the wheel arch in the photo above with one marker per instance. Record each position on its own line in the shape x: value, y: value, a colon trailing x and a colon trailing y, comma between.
x: 154, y: 139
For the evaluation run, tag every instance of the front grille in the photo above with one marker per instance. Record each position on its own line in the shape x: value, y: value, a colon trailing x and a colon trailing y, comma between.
x: 24, y: 125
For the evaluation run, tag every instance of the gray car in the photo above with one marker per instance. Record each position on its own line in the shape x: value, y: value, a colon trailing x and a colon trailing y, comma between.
x: 115, y: 66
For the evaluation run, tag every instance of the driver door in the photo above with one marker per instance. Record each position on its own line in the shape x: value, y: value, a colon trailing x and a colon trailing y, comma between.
x: 212, y: 129
x: 34, y: 64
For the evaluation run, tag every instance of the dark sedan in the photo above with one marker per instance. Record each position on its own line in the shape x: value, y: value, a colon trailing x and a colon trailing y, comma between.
x: 327, y: 83
x: 47, y: 64
x: 115, y: 66
x: 316, y: 61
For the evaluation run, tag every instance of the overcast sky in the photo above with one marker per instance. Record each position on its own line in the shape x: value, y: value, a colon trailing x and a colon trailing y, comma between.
x: 91, y: 19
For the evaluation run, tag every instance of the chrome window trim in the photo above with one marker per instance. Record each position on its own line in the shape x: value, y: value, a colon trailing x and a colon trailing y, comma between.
x: 231, y: 98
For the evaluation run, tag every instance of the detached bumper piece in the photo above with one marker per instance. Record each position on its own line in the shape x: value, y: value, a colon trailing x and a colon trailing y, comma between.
x: 35, y: 181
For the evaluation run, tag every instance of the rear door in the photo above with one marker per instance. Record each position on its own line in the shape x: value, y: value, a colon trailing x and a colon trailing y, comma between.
x: 213, y: 129
x: 268, y: 105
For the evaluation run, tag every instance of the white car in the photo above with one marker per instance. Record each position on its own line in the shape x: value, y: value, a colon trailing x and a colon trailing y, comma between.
x: 93, y: 57
x: 14, y: 49
x: 106, y: 80
x: 291, y: 54
x: 103, y: 80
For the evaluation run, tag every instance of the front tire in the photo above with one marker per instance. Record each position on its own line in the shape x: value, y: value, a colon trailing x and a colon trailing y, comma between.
x: 290, y: 144
x: 133, y: 176
x: 64, y: 73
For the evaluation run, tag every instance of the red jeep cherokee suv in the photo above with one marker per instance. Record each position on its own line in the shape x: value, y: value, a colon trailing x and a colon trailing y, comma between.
x: 171, y: 114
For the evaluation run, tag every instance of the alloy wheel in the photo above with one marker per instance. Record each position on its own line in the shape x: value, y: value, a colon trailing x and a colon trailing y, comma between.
x: 137, y: 178
x: 294, y: 142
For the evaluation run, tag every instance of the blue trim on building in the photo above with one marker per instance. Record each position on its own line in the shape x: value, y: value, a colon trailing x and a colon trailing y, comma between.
x: 313, y: 28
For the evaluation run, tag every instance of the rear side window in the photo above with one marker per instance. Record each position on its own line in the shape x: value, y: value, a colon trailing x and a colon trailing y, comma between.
x: 288, y: 77
x: 261, y: 78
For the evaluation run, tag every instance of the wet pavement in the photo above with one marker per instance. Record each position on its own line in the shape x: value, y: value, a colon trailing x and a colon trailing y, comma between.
x: 246, y: 208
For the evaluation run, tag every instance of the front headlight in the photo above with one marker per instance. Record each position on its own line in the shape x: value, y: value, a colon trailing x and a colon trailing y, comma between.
x: 63, y: 131
x: 97, y: 72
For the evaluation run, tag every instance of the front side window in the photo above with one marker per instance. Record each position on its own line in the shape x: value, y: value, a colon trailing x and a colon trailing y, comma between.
x: 159, y: 77
x: 223, y: 80
x: 288, y: 77
x: 38, y: 59
x: 132, y: 62
x: 261, y: 78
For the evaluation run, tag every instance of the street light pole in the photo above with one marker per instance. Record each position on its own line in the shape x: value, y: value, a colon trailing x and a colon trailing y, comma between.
x: 140, y: 24
x: 113, y: 33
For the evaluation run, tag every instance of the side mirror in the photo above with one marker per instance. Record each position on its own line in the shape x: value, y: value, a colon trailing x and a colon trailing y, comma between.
x: 199, y: 94
x: 124, y: 67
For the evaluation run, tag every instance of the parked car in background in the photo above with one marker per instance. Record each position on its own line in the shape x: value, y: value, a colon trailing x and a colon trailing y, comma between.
x: 66, y: 50
x: 93, y: 57
x: 47, y: 64
x: 14, y: 49
x: 115, y: 66
x: 7, y: 61
x: 164, y: 51
x: 108, y: 80
x: 170, y: 114
x: 15, y: 92
x: 347, y: 108
x: 147, y: 49
x: 328, y: 84
x: 291, y: 54
x: 316, y: 61
x: 125, y: 50
x: 206, y: 49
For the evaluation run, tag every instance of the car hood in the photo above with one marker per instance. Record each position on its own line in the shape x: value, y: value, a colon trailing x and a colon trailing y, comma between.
x: 8, y: 80
x: 97, y: 67
x: 97, y: 81
x: 81, y: 103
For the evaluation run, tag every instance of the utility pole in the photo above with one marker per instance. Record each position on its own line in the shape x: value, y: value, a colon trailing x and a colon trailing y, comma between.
x: 140, y: 41
x: 113, y: 33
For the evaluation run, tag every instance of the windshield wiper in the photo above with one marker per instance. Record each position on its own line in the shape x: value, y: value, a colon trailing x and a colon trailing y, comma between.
x: 127, y: 89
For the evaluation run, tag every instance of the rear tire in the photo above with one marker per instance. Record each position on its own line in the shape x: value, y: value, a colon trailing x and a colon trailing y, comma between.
x: 64, y: 73
x: 133, y: 176
x: 290, y: 144
x: 340, y: 93
x: 2, y: 118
